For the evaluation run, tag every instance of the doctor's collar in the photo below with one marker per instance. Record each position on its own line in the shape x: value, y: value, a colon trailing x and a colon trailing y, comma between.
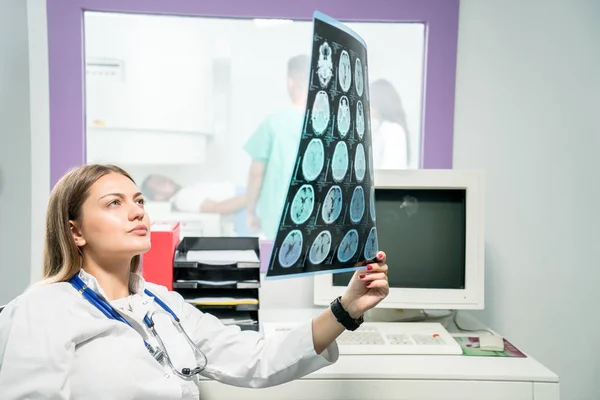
x: 137, y: 284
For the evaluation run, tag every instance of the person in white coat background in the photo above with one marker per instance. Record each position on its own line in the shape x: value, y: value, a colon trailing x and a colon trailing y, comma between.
x: 389, y: 128
x: 91, y: 328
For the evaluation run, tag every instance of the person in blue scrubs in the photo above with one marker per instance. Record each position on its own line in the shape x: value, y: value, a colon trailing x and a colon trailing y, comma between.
x: 273, y: 147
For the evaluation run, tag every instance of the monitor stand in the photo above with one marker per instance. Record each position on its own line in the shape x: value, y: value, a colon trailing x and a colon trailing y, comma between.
x: 394, y: 315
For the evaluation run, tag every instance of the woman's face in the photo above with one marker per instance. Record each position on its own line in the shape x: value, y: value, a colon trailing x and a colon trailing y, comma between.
x: 113, y: 222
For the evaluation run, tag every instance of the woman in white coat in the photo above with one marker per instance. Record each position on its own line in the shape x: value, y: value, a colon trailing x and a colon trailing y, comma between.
x: 86, y: 331
x: 389, y: 128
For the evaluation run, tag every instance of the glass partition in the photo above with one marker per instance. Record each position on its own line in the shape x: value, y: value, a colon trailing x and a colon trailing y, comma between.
x: 183, y: 103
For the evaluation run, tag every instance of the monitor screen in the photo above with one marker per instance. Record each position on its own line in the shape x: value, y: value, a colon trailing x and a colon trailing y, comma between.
x: 423, y: 233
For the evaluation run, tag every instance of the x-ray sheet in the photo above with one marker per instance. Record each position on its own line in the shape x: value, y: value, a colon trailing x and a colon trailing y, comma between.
x: 328, y: 221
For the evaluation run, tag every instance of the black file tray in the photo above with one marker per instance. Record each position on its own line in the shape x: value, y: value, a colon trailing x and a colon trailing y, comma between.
x: 193, y: 279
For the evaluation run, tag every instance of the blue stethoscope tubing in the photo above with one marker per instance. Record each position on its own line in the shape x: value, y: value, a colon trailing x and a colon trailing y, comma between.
x: 111, y: 313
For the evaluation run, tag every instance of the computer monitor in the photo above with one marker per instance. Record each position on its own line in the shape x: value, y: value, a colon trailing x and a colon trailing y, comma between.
x: 430, y: 224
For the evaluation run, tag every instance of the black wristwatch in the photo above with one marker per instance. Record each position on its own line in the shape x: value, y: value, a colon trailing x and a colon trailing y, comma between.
x: 343, y: 317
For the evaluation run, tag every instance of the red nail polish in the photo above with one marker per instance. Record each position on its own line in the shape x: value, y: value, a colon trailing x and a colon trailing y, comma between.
x: 379, y: 256
x: 369, y: 267
x: 367, y: 284
x: 361, y: 276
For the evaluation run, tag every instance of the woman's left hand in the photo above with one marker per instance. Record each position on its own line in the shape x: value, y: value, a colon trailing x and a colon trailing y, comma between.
x: 367, y: 288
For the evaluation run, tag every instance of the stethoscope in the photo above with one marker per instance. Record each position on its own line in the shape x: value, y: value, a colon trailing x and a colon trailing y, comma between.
x: 158, y: 354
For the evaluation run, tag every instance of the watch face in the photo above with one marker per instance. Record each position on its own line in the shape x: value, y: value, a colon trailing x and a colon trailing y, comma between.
x: 320, y: 113
x: 325, y: 64
x: 357, y: 204
x: 345, y: 71
x: 372, y: 204
x: 358, y: 77
x: 339, y: 161
x: 313, y: 160
x: 371, y: 245
x: 332, y: 205
x: 320, y: 248
x: 291, y: 248
x: 348, y: 246
x: 303, y: 204
x: 343, y: 117
x: 360, y: 119
x: 360, y: 162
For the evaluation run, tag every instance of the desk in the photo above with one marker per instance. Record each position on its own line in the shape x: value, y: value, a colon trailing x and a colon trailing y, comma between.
x: 403, y: 377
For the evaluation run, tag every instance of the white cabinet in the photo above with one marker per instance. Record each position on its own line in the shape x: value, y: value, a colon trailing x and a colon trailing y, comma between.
x: 147, y: 73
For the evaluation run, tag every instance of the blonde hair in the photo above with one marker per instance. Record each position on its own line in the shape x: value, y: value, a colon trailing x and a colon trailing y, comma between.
x: 62, y: 258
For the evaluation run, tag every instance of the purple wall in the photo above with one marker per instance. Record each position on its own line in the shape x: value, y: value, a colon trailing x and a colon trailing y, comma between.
x: 65, y: 47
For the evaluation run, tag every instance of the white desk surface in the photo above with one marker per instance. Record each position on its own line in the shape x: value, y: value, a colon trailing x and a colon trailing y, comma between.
x: 402, y: 377
x: 430, y: 367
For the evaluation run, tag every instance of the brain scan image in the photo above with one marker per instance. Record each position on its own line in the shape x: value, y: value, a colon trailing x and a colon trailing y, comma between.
x: 348, y: 246
x: 367, y: 80
x: 357, y: 204
x: 320, y: 248
x: 358, y: 77
x: 360, y: 119
x: 371, y: 170
x: 343, y: 117
x: 291, y: 249
x: 303, y: 204
x: 339, y: 161
x: 332, y: 205
x: 371, y: 245
x: 313, y: 160
x: 320, y: 113
x: 372, y: 204
x: 325, y: 64
x: 360, y: 163
x: 345, y: 71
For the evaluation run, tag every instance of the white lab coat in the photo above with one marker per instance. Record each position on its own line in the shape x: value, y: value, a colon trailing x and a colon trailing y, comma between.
x: 54, y: 344
x: 390, y: 149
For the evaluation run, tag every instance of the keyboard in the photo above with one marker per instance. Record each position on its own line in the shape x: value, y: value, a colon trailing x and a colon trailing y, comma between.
x: 426, y: 338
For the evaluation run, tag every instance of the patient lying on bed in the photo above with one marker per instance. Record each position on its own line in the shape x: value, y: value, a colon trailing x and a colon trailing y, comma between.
x: 202, y: 197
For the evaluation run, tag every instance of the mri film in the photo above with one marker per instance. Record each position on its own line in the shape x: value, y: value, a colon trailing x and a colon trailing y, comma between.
x: 357, y: 205
x: 360, y: 163
x: 348, y: 246
x: 372, y: 204
x: 343, y: 117
x: 345, y: 71
x: 291, y: 249
x: 325, y: 65
x: 320, y: 113
x: 358, y: 77
x: 320, y: 248
x: 313, y: 160
x: 371, y: 170
x: 360, y: 119
x: 339, y: 161
x: 328, y: 213
x: 332, y: 206
x: 371, y: 247
x: 303, y: 204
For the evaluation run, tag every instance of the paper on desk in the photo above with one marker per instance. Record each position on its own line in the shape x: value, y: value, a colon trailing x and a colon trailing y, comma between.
x: 217, y: 283
x: 222, y: 301
x: 229, y: 317
x: 328, y: 219
x: 224, y: 257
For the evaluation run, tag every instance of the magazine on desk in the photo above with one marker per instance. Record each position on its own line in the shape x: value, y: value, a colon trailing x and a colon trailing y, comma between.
x: 328, y: 221
x: 470, y: 347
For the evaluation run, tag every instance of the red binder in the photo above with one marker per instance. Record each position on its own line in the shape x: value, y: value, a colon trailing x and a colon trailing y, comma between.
x: 157, y: 263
